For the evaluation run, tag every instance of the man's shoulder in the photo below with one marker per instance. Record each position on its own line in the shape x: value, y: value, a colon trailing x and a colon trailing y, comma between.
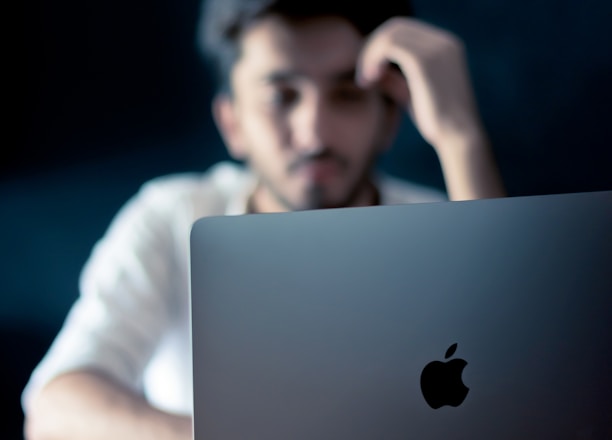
x: 395, y: 190
x: 209, y: 192
x: 222, y: 179
x: 222, y: 176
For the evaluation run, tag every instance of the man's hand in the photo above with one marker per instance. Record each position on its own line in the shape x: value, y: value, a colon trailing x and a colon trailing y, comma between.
x: 431, y: 82
x: 423, y: 69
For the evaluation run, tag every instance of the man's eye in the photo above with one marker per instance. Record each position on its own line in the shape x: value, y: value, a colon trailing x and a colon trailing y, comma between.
x: 283, y: 97
x: 349, y: 94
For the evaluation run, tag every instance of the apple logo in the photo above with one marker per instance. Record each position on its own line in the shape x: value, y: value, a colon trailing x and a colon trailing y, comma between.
x: 441, y: 382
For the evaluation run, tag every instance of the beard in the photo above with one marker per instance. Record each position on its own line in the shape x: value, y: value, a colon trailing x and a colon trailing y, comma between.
x: 317, y: 195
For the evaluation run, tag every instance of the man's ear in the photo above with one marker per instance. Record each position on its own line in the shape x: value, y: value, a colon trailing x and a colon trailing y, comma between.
x: 224, y: 114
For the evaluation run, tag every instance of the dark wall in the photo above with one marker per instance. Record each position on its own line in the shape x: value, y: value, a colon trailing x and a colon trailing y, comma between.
x: 113, y: 93
x: 106, y: 78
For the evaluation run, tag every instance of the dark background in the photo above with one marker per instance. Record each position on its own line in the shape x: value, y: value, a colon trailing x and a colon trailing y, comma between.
x: 110, y: 94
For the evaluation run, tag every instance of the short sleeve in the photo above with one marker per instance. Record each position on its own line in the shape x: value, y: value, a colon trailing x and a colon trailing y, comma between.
x: 125, y: 294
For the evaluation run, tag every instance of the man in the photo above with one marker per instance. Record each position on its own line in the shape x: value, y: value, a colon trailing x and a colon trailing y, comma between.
x: 310, y: 95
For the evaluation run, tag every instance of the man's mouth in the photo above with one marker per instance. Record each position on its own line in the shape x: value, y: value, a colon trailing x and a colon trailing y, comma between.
x: 320, y: 168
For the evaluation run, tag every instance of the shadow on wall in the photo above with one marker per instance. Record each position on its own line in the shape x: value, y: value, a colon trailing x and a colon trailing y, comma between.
x: 21, y: 349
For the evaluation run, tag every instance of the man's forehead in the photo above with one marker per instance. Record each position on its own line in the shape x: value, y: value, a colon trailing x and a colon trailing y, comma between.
x: 281, y: 49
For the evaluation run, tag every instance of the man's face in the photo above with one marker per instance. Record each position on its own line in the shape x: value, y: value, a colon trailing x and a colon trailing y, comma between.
x: 298, y: 118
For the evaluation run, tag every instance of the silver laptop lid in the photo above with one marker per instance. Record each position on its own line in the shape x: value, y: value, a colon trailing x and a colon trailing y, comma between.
x: 321, y: 324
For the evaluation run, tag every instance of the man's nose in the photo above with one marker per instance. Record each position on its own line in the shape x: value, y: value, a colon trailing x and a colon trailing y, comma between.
x: 312, y: 125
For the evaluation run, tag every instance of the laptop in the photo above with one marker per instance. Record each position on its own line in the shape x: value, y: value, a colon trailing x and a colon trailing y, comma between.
x: 485, y: 319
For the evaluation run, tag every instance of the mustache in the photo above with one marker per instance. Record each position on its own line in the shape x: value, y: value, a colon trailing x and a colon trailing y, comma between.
x: 319, y: 156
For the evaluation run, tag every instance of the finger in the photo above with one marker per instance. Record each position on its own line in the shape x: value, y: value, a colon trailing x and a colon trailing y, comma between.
x: 402, y: 41
x: 371, y: 63
x: 377, y: 51
x: 379, y: 69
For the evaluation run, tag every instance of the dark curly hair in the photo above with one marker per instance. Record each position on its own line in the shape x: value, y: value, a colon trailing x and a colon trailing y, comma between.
x: 222, y: 22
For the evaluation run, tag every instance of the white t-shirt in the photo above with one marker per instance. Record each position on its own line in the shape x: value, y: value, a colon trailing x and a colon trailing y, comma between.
x: 132, y: 316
